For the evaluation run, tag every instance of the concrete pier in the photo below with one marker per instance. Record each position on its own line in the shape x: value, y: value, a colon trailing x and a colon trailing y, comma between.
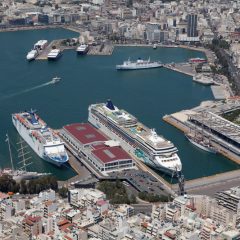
x: 57, y: 44
x: 185, y: 68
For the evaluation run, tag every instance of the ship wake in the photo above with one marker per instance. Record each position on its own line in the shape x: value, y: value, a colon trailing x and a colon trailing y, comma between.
x: 26, y: 90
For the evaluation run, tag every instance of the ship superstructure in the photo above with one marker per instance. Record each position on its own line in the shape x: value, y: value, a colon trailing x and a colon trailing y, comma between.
x: 136, y: 138
x: 42, y: 139
x: 139, y: 64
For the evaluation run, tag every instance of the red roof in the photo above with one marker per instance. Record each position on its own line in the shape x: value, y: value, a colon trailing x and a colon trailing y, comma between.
x: 111, y: 154
x: 85, y: 133
x: 101, y: 202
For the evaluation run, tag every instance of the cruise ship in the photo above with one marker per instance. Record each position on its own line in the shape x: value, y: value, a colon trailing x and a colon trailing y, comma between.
x: 32, y: 54
x: 139, y: 64
x: 43, y: 140
x: 83, y: 49
x: 135, y: 138
x: 54, y: 54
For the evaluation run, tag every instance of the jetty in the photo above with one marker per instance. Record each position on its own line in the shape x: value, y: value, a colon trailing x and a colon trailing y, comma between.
x: 54, y: 44
x: 185, y: 68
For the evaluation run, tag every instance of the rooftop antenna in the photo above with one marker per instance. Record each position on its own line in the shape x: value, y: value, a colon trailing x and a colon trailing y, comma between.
x: 10, y: 151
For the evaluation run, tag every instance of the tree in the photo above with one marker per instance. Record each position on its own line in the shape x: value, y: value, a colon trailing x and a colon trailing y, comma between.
x: 133, y: 199
x: 23, y: 187
x: 63, y: 192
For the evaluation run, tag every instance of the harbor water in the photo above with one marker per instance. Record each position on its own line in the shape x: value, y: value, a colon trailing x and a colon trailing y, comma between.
x: 147, y: 94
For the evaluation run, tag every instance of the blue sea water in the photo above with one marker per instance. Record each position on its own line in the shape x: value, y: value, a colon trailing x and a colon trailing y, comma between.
x: 147, y: 94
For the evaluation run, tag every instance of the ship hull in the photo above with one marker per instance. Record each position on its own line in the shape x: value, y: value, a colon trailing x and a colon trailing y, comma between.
x: 127, y: 147
x: 54, y: 58
x: 36, y: 146
x: 206, y: 149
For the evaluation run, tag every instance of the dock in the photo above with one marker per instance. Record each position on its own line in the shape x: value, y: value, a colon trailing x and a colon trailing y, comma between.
x: 211, y: 184
x: 55, y: 43
x: 185, y: 68
x: 101, y: 50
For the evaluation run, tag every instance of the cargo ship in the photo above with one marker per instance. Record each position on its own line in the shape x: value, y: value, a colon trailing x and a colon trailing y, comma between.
x: 139, y: 64
x: 135, y: 138
x: 42, y: 139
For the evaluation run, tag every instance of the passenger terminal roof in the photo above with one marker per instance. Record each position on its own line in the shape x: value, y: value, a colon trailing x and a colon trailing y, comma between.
x: 85, y: 133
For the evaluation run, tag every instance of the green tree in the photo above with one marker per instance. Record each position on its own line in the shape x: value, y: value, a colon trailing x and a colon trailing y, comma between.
x: 63, y: 192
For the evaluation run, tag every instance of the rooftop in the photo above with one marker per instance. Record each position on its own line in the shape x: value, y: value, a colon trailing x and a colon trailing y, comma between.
x: 85, y: 133
x: 111, y: 154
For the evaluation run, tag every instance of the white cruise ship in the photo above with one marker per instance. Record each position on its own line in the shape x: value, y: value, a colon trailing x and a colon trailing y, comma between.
x: 152, y: 149
x: 54, y: 54
x: 45, y: 143
x: 82, y: 49
x: 32, y: 55
x: 137, y: 65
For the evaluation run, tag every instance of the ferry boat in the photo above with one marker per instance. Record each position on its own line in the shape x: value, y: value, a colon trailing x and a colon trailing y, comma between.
x: 139, y: 64
x: 32, y: 54
x: 42, y: 139
x: 41, y: 44
x: 197, y: 60
x: 83, y: 49
x: 54, y: 54
x: 135, y: 138
x: 38, y: 46
x: 199, y: 143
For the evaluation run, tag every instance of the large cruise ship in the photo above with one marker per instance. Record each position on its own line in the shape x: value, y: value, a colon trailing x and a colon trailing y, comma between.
x: 152, y: 149
x: 42, y: 139
x: 139, y: 64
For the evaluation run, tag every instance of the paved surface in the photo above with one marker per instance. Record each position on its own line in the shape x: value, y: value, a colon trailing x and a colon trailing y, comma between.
x: 105, y: 49
x: 211, y: 189
x: 184, y: 68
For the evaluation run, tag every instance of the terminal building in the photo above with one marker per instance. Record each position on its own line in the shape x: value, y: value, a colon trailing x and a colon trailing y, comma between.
x: 102, y: 153
x: 219, y: 130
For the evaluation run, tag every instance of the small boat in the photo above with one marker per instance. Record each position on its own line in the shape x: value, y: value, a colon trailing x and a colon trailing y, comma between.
x: 154, y: 46
x: 201, y: 144
x: 56, y: 80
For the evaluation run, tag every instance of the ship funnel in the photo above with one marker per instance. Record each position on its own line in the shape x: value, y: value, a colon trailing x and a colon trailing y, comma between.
x: 110, y: 105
